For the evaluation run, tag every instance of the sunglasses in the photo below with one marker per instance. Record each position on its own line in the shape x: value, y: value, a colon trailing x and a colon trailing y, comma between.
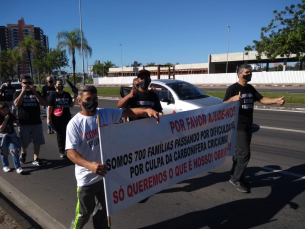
x: 27, y: 83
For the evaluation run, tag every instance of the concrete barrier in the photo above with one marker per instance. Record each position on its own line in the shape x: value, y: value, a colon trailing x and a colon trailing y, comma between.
x: 288, y: 77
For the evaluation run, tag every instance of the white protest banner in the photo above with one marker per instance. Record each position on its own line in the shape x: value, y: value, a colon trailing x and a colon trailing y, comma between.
x: 144, y: 158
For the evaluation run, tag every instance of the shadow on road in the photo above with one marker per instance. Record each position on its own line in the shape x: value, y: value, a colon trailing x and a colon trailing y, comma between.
x: 246, y: 213
x: 47, y: 165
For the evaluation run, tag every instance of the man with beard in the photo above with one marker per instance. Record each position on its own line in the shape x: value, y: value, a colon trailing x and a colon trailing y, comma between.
x: 247, y: 95
x: 46, y: 90
x: 28, y: 101
x: 140, y: 96
x: 59, y: 115
x: 83, y: 149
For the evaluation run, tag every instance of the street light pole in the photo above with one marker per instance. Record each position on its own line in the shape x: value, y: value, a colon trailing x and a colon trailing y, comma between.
x: 228, y: 48
x: 81, y: 39
x: 121, y: 59
x: 103, y: 66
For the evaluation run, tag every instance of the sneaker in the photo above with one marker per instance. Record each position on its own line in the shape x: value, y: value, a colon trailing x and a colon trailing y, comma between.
x: 6, y: 169
x: 22, y: 157
x: 49, y: 131
x: 37, y: 162
x: 240, y: 186
x: 63, y: 155
x: 19, y: 170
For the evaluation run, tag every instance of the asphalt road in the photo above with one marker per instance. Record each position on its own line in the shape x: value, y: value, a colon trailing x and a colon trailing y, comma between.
x: 208, y: 200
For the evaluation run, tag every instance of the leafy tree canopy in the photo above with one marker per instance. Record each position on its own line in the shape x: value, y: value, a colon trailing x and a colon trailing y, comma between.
x: 285, y: 35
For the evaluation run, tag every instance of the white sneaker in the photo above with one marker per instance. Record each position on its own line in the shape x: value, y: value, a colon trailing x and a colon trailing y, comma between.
x: 19, y: 170
x: 6, y: 169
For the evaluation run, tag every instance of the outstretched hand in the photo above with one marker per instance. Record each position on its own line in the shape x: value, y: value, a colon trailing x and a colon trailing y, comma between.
x: 281, y: 101
x: 152, y: 113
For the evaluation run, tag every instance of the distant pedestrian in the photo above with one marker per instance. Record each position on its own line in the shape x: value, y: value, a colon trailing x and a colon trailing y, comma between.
x: 28, y: 101
x: 247, y: 95
x: 59, y: 115
x: 7, y: 93
x: 46, y: 90
x: 9, y: 141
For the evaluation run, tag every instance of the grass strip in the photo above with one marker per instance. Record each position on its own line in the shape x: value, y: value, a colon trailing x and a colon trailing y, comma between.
x: 289, y: 98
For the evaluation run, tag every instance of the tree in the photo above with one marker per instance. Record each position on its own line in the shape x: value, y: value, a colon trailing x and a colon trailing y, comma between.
x: 72, y: 41
x: 30, y: 47
x: 9, y: 63
x: 168, y: 64
x: 151, y: 64
x: 285, y: 35
x: 103, y: 68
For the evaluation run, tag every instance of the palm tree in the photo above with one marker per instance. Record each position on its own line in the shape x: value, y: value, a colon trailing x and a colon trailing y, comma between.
x: 16, y: 59
x: 72, y: 41
x: 108, y: 64
x: 30, y: 46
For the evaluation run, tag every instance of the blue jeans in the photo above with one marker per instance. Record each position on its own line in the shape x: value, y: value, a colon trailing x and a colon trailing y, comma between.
x: 49, y: 127
x: 11, y: 143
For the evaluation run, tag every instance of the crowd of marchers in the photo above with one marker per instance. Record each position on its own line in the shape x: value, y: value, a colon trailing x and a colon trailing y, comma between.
x: 140, y: 103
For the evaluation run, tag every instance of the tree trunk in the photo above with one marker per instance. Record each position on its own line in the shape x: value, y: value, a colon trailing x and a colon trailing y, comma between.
x: 30, y: 63
x: 73, y: 65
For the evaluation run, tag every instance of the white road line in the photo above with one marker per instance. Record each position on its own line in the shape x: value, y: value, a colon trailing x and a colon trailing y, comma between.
x: 261, y: 109
x: 284, y: 172
x: 282, y: 129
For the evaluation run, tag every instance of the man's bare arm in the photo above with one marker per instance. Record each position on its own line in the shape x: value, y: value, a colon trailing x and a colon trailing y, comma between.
x: 93, y: 166
x: 135, y: 112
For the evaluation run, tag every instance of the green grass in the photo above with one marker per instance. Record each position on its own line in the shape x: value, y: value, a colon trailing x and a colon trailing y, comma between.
x: 289, y: 98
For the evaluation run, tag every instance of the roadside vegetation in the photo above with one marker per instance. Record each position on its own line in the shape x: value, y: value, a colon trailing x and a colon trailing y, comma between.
x: 289, y: 98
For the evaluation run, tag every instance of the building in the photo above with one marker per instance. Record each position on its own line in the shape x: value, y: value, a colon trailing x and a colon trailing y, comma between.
x: 4, y: 42
x: 11, y: 35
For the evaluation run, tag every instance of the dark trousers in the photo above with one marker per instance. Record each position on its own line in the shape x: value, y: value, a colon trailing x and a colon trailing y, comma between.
x: 60, y: 126
x: 86, y: 204
x: 242, y: 154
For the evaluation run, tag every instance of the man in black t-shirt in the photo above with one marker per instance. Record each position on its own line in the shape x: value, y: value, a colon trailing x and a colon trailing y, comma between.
x: 247, y: 95
x: 141, y: 97
x: 28, y: 101
x: 7, y: 93
x: 46, y: 90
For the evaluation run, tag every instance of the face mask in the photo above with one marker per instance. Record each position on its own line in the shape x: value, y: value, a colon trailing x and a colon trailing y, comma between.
x: 50, y: 81
x: 247, y: 77
x: 59, y: 88
x: 144, y: 84
x: 90, y: 106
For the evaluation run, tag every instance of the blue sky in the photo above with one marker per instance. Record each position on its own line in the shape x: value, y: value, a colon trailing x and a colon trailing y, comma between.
x: 150, y: 31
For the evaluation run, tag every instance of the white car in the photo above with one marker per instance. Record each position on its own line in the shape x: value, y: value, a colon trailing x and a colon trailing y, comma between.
x: 17, y: 85
x: 177, y: 96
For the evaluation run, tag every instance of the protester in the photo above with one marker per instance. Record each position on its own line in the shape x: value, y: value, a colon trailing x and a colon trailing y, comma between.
x: 140, y: 96
x: 46, y: 90
x: 84, y: 151
x: 122, y: 92
x: 247, y: 95
x: 10, y: 142
x: 28, y: 101
x: 59, y: 115
x: 7, y: 93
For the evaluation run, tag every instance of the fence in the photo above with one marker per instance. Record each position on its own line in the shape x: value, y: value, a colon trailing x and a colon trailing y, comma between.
x: 288, y: 77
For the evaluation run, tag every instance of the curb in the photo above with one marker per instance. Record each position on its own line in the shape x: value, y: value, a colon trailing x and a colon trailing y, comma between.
x: 25, y: 213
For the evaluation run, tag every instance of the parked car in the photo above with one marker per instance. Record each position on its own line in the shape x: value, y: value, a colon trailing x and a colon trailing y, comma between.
x: 177, y: 95
x: 17, y: 85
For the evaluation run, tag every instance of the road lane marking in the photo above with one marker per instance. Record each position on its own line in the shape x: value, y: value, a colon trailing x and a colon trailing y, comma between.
x: 284, y: 172
x: 299, y: 110
x: 282, y: 129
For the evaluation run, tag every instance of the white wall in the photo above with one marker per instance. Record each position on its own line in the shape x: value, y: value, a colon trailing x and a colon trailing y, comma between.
x: 288, y: 77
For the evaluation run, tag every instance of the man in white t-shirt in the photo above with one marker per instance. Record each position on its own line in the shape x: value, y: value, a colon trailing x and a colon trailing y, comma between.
x: 82, y: 145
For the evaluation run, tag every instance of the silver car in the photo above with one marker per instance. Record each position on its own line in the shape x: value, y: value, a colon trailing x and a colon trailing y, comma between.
x: 177, y: 96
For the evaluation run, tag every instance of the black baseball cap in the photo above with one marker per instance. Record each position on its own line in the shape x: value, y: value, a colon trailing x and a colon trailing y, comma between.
x: 143, y: 74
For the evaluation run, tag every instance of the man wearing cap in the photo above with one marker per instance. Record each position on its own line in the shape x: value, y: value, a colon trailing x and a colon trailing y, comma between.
x: 247, y: 95
x: 140, y: 96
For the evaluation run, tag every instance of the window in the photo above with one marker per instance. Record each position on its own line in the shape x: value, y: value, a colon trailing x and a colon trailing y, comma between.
x: 163, y: 93
x: 187, y: 91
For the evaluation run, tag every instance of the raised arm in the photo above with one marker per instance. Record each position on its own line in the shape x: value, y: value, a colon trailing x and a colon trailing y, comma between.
x: 267, y: 100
